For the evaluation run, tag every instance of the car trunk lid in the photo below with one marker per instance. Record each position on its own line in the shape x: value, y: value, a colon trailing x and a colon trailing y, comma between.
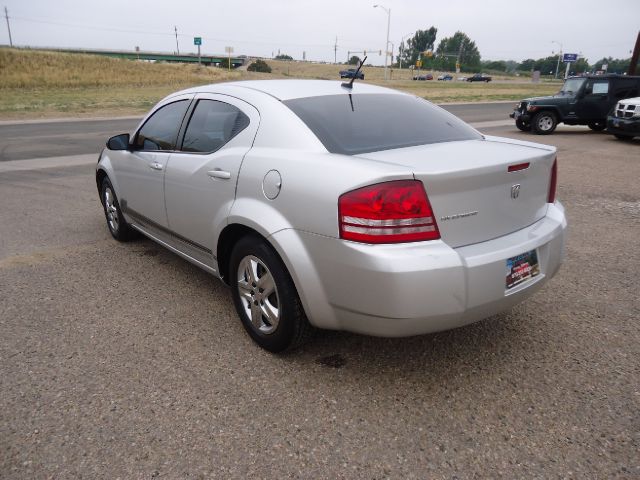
x: 474, y: 195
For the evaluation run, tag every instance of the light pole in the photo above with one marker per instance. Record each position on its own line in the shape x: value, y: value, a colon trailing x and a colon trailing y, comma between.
x: 386, y: 45
x: 402, y: 47
x: 559, y: 55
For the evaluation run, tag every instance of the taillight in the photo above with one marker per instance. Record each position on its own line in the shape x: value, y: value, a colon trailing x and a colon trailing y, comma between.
x: 554, y: 182
x: 390, y: 212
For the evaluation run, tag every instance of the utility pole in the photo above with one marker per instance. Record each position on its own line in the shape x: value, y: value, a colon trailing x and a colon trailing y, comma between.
x: 386, y: 45
x: 6, y: 15
x: 177, y: 47
x: 458, y: 64
x: 335, y: 51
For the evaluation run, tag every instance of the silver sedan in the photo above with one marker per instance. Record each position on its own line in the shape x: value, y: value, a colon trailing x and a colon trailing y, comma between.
x: 339, y: 207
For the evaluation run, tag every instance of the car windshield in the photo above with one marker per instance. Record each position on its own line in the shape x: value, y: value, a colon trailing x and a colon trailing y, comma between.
x: 354, y: 124
x: 572, y: 86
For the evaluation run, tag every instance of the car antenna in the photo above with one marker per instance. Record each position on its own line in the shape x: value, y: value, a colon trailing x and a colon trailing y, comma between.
x: 350, y: 84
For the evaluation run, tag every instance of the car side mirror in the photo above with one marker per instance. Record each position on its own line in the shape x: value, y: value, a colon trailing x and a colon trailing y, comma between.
x: 119, y: 142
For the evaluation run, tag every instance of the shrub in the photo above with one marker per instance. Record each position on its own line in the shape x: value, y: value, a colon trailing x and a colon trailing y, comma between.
x: 259, y: 66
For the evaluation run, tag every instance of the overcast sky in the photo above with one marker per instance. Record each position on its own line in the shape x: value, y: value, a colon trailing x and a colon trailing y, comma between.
x: 502, y: 29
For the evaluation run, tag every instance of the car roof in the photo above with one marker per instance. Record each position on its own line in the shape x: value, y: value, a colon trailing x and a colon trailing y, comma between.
x: 288, y: 89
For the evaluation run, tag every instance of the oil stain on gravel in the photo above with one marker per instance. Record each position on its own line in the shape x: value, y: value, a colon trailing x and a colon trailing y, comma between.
x: 332, y: 361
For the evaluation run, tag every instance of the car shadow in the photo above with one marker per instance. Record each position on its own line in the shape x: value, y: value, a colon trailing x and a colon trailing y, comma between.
x: 427, y: 358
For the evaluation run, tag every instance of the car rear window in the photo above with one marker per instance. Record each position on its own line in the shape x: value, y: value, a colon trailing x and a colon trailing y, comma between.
x: 353, y: 124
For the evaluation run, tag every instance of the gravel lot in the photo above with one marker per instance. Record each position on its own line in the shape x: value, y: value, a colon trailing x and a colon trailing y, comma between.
x: 124, y: 361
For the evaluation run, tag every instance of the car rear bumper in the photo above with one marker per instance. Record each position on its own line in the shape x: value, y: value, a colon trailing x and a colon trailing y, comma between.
x: 623, y: 126
x: 411, y: 289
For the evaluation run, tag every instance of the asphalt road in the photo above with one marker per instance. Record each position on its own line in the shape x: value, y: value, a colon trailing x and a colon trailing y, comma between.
x: 53, y: 139
x: 124, y: 361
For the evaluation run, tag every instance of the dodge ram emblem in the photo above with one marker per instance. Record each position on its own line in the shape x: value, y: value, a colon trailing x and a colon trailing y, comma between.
x: 515, y: 191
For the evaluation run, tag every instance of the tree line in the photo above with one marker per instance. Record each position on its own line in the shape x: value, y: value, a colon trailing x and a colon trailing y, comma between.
x: 459, y: 48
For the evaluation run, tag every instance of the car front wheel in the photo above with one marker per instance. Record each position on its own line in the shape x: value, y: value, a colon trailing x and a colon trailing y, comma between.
x: 597, y: 126
x: 116, y: 223
x: 265, y: 297
x: 544, y: 123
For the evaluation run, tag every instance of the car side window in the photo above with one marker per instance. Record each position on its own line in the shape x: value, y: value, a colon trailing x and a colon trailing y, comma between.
x: 160, y: 131
x: 597, y: 87
x: 212, y: 124
x: 626, y: 88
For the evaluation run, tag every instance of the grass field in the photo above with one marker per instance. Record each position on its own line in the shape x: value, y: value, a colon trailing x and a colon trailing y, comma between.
x: 40, y: 84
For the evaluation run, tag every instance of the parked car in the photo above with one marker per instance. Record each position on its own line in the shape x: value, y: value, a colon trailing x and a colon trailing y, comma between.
x: 299, y: 195
x: 479, y: 77
x: 582, y: 100
x: 462, y: 79
x: 428, y: 76
x: 350, y: 73
x: 446, y: 77
x: 624, y: 120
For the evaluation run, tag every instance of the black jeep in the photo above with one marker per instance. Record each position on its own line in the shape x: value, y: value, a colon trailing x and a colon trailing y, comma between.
x: 581, y: 101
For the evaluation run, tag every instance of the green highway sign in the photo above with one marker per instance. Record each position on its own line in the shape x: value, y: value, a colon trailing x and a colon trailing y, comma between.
x: 197, y: 40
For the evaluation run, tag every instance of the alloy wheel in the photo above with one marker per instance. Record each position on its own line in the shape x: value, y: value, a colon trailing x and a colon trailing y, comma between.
x: 111, y: 210
x: 259, y: 294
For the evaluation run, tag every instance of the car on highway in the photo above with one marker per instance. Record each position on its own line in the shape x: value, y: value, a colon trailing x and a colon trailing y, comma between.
x: 446, y: 77
x: 585, y: 100
x: 428, y: 76
x: 624, y: 120
x: 351, y: 73
x: 479, y: 77
x: 350, y: 208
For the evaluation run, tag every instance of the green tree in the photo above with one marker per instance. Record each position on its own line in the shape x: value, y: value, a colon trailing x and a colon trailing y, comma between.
x: 547, y: 66
x: 259, y: 66
x: 614, y: 65
x: 498, y: 65
x: 581, y: 66
x: 354, y: 60
x: 421, y: 41
x: 224, y: 63
x: 459, y: 46
x: 283, y: 56
x: 526, y: 65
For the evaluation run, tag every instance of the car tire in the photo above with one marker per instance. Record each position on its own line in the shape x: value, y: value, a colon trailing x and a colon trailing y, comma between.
x: 116, y: 223
x: 273, y: 317
x: 544, y: 123
x: 597, y: 126
x: 625, y: 138
x: 524, y: 126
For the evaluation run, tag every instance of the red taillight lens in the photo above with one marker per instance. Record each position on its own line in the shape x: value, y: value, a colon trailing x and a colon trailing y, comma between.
x: 554, y: 182
x: 391, y: 212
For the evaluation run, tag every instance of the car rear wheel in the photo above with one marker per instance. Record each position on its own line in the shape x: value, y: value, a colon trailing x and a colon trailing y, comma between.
x: 118, y: 226
x: 597, y: 126
x: 544, y: 123
x: 524, y: 126
x: 265, y: 297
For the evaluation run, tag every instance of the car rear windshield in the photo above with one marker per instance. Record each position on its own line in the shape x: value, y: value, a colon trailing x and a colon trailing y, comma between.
x: 353, y: 124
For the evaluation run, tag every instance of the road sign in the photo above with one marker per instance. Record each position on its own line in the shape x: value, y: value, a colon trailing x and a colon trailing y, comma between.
x: 197, y: 40
x: 569, y: 57
x: 228, y: 49
x: 418, y: 63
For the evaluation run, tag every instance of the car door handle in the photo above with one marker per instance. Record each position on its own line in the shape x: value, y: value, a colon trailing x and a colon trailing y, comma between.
x: 217, y: 173
x: 156, y: 165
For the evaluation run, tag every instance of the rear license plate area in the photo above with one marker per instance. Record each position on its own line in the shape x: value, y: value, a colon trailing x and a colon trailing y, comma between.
x: 521, y: 269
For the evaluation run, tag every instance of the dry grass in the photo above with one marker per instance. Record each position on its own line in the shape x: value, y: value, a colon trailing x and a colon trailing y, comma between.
x: 36, y: 84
